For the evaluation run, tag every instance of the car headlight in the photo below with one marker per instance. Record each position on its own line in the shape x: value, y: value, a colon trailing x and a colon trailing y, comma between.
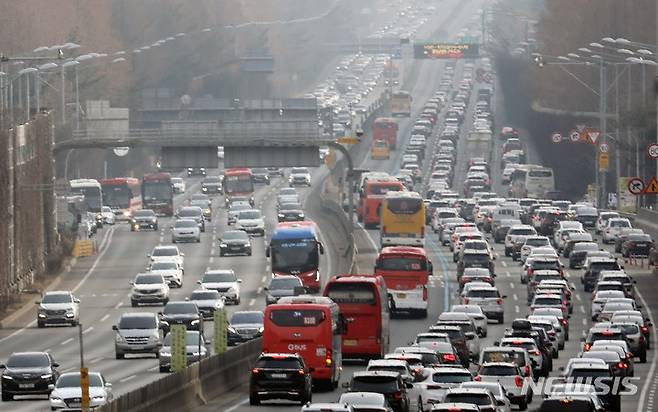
x: 300, y: 214
x: 154, y: 220
x: 118, y: 338
x: 98, y: 398
x: 231, y: 329
x: 7, y: 377
x: 281, y: 215
x: 261, y: 329
x: 126, y: 213
x: 206, y: 211
x: 223, y: 245
x: 46, y: 376
x: 204, y: 189
x: 165, y: 352
x: 194, y: 322
x: 231, y: 290
x: 247, y: 244
x: 133, y: 221
x: 55, y: 398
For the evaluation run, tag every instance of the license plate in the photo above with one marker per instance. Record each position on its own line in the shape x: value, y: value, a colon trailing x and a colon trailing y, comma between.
x: 75, y: 405
x: 640, y: 244
x: 278, y: 375
x: 402, y: 295
x: 26, y: 385
x: 350, y: 342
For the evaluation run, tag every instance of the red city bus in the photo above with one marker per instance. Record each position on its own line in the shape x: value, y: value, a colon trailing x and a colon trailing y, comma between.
x: 238, y: 182
x: 158, y: 193
x: 122, y: 195
x: 363, y: 300
x: 385, y: 128
x: 406, y: 270
x: 372, y: 197
x: 311, y: 326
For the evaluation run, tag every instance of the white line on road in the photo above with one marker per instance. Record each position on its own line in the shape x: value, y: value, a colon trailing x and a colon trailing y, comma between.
x: 584, y: 322
x: 127, y: 378
x: 516, y: 308
x: 252, y: 302
x: 89, y: 329
x: 582, y: 309
x: 104, y: 318
x: 264, y: 279
x: 511, y: 285
x: 259, y: 290
x: 118, y: 305
x: 95, y: 360
x: 578, y: 298
x: 504, y: 264
x: 515, y: 297
x: 509, y: 275
x: 153, y: 369
x: 66, y: 342
x: 236, y: 406
x: 212, y: 259
x: 652, y: 369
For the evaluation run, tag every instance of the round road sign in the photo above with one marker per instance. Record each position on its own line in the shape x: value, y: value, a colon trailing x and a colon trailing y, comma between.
x: 603, y: 147
x: 636, y: 186
x: 556, y: 137
x: 574, y: 136
x: 121, y: 151
x: 652, y: 150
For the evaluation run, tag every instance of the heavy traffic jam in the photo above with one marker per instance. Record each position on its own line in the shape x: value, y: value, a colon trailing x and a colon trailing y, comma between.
x: 475, y: 287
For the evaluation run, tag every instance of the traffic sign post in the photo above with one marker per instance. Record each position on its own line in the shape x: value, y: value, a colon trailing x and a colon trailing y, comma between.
x: 556, y: 137
x: 84, y: 385
x: 636, y: 186
x: 178, y: 348
x: 221, y: 331
x: 604, y: 148
x: 574, y: 136
x: 604, y: 162
x: 651, y: 187
x: 593, y: 135
x: 652, y: 151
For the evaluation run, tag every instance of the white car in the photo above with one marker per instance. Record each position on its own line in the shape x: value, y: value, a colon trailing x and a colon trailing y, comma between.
x: 178, y: 184
x: 208, y: 301
x: 533, y: 242
x: 108, y: 215
x: 474, y: 312
x: 168, y: 253
x: 57, y: 307
x: 223, y: 281
x: 510, y: 377
x: 503, y: 403
x: 251, y: 221
x: 613, y: 228
x: 234, y: 210
x: 170, y: 270
x: 364, y: 399
x: 602, y: 221
x: 299, y: 176
x: 436, y: 381
x: 67, y: 390
x: 185, y: 230
x: 149, y: 288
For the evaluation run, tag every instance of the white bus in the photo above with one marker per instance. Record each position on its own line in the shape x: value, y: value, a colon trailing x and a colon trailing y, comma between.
x: 531, y: 181
x: 91, y: 190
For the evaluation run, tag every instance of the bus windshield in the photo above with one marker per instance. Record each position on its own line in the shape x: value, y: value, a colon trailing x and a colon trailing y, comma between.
x: 292, y: 255
x: 352, y: 292
x: 92, y: 197
x: 117, y: 196
x: 158, y: 190
x: 297, y: 318
x: 404, y: 206
x: 383, y: 189
x: 403, y: 264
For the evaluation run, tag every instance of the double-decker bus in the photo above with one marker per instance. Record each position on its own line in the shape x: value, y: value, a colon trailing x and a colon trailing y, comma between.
x: 406, y: 270
x: 531, y: 181
x: 295, y: 249
x: 363, y: 300
x: 311, y: 326
x: 92, y: 192
x: 400, y: 104
x: 158, y: 193
x: 402, y: 219
x: 385, y: 128
x: 122, y: 195
x: 238, y: 182
x: 372, y: 196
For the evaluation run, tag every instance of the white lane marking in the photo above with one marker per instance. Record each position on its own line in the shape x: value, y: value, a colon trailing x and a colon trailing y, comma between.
x: 212, y: 259
x: 89, y: 329
x: 259, y: 290
x: 504, y: 264
x: 153, y: 369
x: 512, y: 286
x: 66, y: 342
x: 509, y: 275
x: 584, y: 322
x: 516, y: 308
x: 515, y: 297
x: 252, y: 302
x: 127, y: 378
x: 103, y: 249
x: 104, y: 318
x: 263, y: 279
x: 654, y: 360
x: 582, y: 309
x: 578, y: 298
x: 236, y: 406
x: 118, y: 305
x: 95, y: 360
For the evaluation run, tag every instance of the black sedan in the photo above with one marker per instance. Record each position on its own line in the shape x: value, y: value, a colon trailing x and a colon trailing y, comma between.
x: 290, y: 212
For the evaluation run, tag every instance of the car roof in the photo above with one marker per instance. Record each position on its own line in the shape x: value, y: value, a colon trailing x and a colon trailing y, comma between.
x: 362, y: 374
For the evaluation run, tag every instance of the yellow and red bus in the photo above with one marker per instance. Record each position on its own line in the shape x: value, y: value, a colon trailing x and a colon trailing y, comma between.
x: 385, y: 128
x: 372, y: 196
x: 402, y: 219
x: 123, y: 195
x: 380, y: 150
x: 406, y: 271
x: 363, y: 300
x: 311, y: 326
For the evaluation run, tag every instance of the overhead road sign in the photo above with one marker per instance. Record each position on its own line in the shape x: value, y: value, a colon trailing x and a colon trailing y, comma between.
x: 593, y: 135
x: 574, y: 136
x: 604, y: 162
x: 652, y: 151
x: 438, y: 50
x: 636, y: 186
x: 604, y: 148
x: 556, y: 137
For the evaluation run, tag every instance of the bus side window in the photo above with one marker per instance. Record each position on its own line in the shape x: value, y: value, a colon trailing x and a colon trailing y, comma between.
x: 267, y: 251
x: 320, y: 248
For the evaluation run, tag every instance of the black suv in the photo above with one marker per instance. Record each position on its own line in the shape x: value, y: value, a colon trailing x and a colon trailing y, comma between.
x: 260, y: 175
x: 390, y: 384
x: 211, y: 185
x: 181, y: 313
x: 475, y: 259
x: 280, y: 376
x: 144, y: 219
x: 28, y: 373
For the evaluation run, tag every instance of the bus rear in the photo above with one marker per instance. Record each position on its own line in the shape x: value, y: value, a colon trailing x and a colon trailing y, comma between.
x: 380, y: 150
x: 385, y: 128
x: 363, y: 300
x: 538, y: 181
x: 375, y: 192
x: 400, y: 103
x: 406, y: 271
x: 158, y: 193
x: 238, y: 182
x: 402, y: 219
x: 310, y: 326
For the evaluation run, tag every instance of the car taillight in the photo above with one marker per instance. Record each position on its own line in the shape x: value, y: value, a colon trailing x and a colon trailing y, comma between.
x: 256, y: 371
x: 527, y: 370
x: 535, y: 352
x: 518, y: 381
x: 465, y: 301
x: 587, y: 347
x: 622, y: 365
x: 530, y: 271
x: 449, y: 357
x: 565, y: 302
x: 565, y: 322
x: 477, y: 378
x: 499, y: 301
x: 301, y: 372
x: 644, y: 329
x: 425, y: 294
x: 397, y: 395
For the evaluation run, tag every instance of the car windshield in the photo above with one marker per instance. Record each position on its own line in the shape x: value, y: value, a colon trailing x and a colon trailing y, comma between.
x: 28, y: 360
x: 137, y: 322
x: 286, y: 283
x: 451, y: 377
x: 72, y: 380
x: 174, y: 308
x: 521, y: 232
x: 149, y: 280
x: 144, y: 213
x: 471, y: 398
x: 235, y: 235
x: 190, y: 212
x: 219, y: 277
x: 289, y: 206
x: 380, y: 384
x: 298, y: 170
x: 498, y: 370
x: 536, y: 242
x: 276, y: 363
x: 247, y: 317
x: 165, y: 251
x: 205, y: 295
x: 483, y: 293
x: 191, y: 339
x: 56, y: 298
x: 185, y: 224
x: 249, y: 214
x: 475, y: 259
x: 212, y: 179
x: 164, y: 266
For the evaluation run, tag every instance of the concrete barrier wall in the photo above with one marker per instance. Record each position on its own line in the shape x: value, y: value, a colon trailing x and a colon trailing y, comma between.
x: 194, y: 386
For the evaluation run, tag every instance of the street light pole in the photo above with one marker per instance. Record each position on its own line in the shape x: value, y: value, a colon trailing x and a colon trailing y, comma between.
x: 603, y: 123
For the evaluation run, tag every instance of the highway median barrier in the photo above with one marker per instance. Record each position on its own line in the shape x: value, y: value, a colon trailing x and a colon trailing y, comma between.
x: 193, y: 386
